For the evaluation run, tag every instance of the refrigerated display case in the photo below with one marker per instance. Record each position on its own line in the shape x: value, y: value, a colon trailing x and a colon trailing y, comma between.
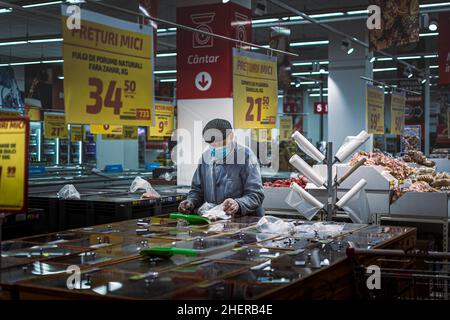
x: 75, y: 144
x: 89, y: 149
x: 35, y: 142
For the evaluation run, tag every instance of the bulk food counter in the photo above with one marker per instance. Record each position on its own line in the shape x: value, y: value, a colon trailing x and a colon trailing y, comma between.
x: 231, y: 260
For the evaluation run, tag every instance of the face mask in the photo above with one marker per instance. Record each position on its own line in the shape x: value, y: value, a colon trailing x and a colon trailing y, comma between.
x: 219, y: 153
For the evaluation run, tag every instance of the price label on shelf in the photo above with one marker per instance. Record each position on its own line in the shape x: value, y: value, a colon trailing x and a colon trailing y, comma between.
x: 255, y: 90
x: 286, y: 128
x: 108, y: 74
x: 55, y: 126
x: 14, y: 133
x: 398, y: 101
x: 76, y: 133
x: 375, y: 109
x: 164, y: 120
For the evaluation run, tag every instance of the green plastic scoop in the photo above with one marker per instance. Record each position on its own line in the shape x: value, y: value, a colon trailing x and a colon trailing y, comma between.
x: 192, y: 219
x: 167, y: 252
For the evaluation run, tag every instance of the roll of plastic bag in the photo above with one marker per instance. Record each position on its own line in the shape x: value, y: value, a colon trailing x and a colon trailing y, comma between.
x: 303, y: 202
x: 351, y: 193
x: 141, y: 184
x: 274, y: 225
x: 358, y: 208
x: 68, y: 192
x: 307, y: 170
x: 350, y: 145
x: 308, y: 147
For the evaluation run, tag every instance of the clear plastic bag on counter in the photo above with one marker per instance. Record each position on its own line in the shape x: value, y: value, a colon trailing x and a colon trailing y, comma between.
x: 320, y: 229
x: 141, y: 184
x: 296, y: 201
x: 274, y: 225
x: 68, y: 192
x: 213, y: 212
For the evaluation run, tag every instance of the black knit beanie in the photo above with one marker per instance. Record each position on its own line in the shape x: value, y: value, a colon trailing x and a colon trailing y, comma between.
x: 216, y: 130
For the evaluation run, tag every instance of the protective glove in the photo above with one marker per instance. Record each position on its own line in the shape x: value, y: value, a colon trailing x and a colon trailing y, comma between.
x: 186, y: 206
x: 230, y: 206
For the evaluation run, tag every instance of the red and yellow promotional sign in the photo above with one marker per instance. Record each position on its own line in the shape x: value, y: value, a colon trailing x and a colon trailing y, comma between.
x: 9, y: 113
x: 55, y: 126
x: 375, y: 109
x: 286, y: 128
x: 108, y: 71
x: 14, y: 133
x: 76, y: 133
x: 106, y: 129
x: 398, y: 101
x: 164, y: 121
x: 255, y: 90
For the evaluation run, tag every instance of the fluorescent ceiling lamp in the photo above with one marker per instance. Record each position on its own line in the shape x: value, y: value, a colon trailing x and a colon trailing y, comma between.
x: 42, y: 4
x: 264, y: 46
x: 52, y: 61
x: 434, y: 67
x: 326, y: 15
x: 295, y: 18
x: 409, y: 57
x: 168, y: 80
x: 165, y: 71
x: 350, y: 50
x: 318, y: 94
x: 5, y: 10
x: 355, y: 12
x: 429, y: 56
x: 169, y: 54
x: 317, y: 89
x: 308, y: 63
x: 384, y: 59
x: 292, y: 83
x: 309, y: 82
x: 280, y: 96
x: 161, y: 30
x: 308, y: 73
x: 46, y: 40
x: 11, y: 43
x: 372, y: 59
x: 61, y: 78
x: 432, y: 5
x: 3, y: 64
x: 429, y: 34
x: 264, y: 21
x: 172, y: 29
x: 384, y: 69
x: 309, y: 43
x: 24, y: 63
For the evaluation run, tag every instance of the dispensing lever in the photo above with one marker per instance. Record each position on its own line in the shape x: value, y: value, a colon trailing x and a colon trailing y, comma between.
x: 351, y: 170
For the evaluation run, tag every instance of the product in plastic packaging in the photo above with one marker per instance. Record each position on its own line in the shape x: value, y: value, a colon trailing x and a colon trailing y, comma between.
x: 68, y: 192
x: 213, y: 211
x: 141, y: 184
x: 274, y: 225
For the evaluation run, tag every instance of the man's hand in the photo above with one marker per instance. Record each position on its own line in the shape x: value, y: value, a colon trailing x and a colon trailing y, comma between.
x: 186, y: 206
x: 230, y: 206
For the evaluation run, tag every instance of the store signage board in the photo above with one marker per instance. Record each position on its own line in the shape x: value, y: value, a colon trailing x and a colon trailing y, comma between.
x: 444, y: 48
x: 55, y: 126
x: 164, y: 120
x: 255, y: 90
x: 106, y: 129
x: 108, y: 71
x: 128, y: 133
x: 14, y: 137
x: 320, y: 107
x: 9, y: 113
x: 286, y: 128
x: 374, y: 109
x: 206, y: 61
x: 398, y: 101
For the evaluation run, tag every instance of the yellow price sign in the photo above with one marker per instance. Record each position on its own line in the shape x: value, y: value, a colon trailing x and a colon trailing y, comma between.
x: 398, y: 101
x: 164, y: 121
x: 108, y: 67
x: 76, y: 133
x: 255, y: 90
x: 286, y: 128
x: 34, y: 113
x: 375, y: 109
x: 55, y: 126
x: 106, y: 129
x: 14, y: 133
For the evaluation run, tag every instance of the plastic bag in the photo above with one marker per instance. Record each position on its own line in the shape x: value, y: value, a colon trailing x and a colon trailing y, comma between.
x: 213, y: 212
x: 274, y: 225
x: 296, y: 201
x: 68, y: 192
x: 358, y: 208
x: 141, y: 184
x: 318, y: 229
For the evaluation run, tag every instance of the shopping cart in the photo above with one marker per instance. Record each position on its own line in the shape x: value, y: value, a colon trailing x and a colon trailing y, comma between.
x: 399, y: 275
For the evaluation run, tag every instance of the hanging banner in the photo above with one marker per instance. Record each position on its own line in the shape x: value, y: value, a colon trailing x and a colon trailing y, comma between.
x: 398, y: 24
x: 286, y: 128
x: 14, y: 136
x: 398, y: 101
x: 9, y: 113
x: 164, y: 121
x: 444, y: 48
x: 55, y: 126
x: 255, y: 90
x: 108, y: 69
x: 106, y: 129
x: 374, y: 109
x: 76, y: 133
